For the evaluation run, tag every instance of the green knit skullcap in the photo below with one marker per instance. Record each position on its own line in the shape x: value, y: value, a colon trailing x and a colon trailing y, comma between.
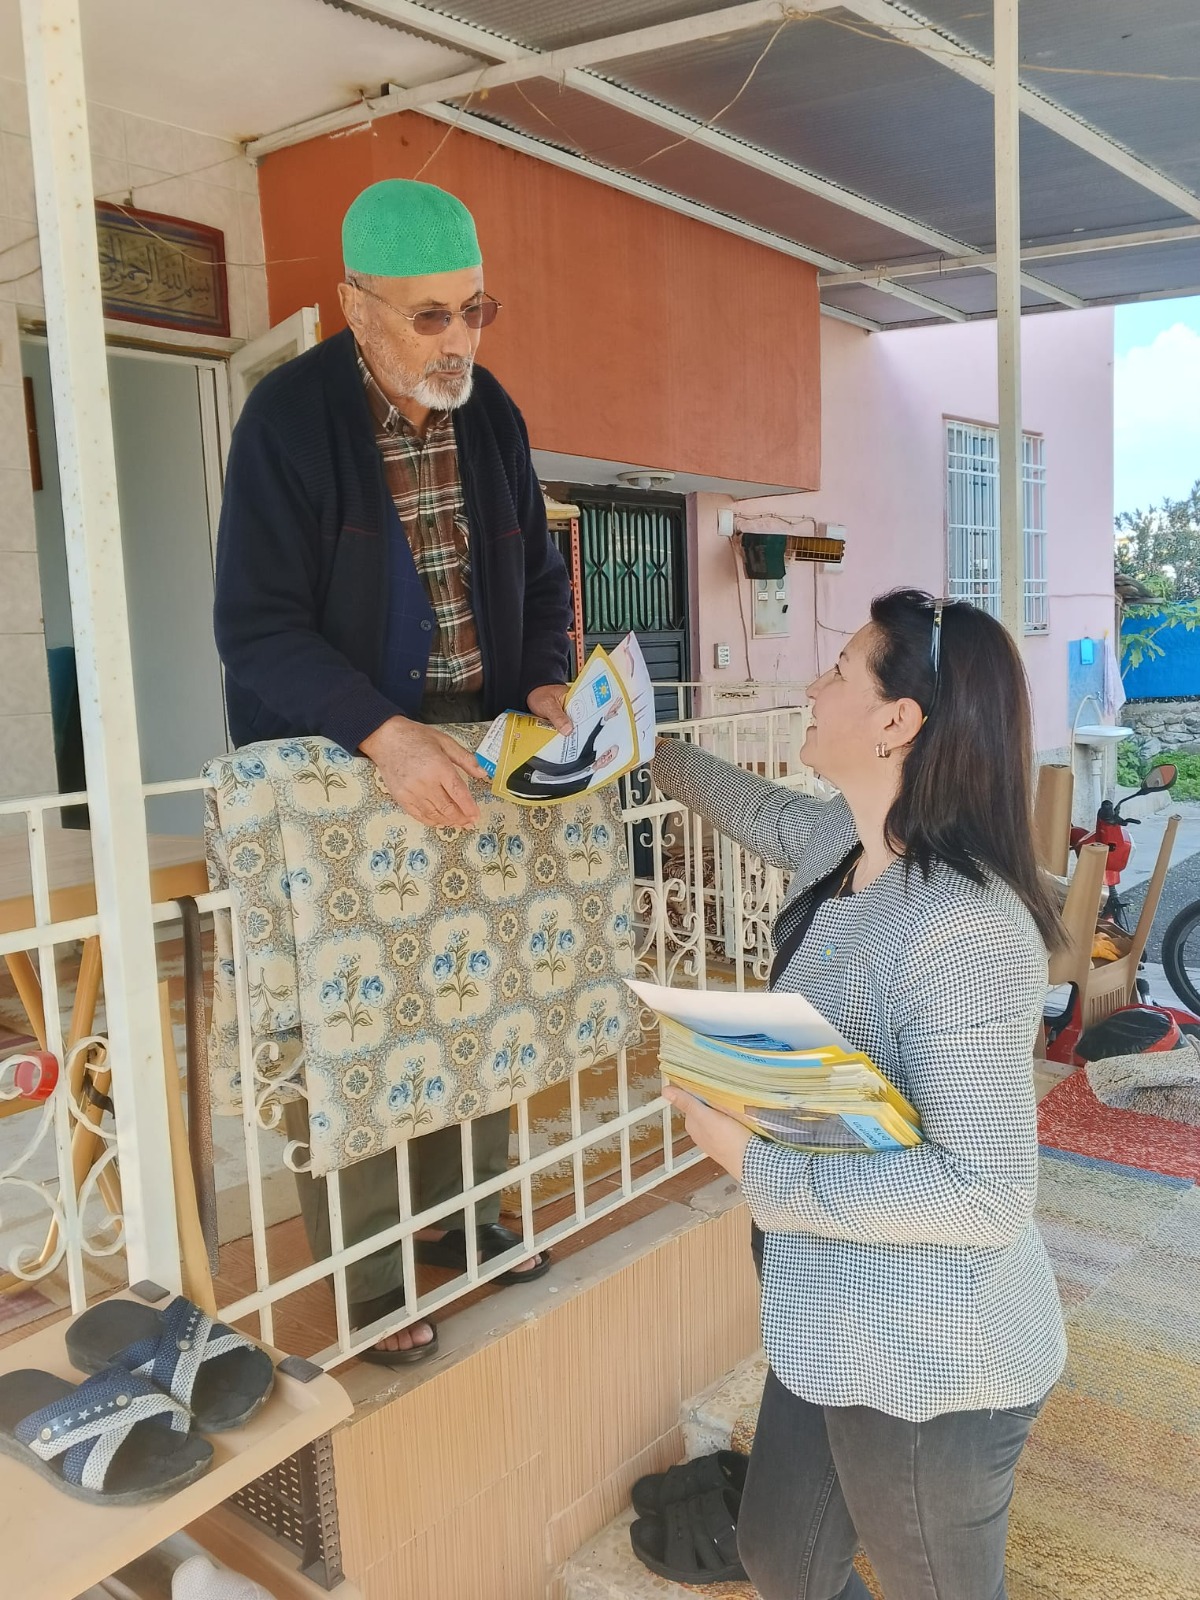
x: 403, y: 229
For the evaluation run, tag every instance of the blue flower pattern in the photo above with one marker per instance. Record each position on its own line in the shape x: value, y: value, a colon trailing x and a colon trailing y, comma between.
x: 361, y: 991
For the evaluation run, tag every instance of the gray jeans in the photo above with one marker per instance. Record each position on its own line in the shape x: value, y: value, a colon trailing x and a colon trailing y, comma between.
x: 928, y: 1501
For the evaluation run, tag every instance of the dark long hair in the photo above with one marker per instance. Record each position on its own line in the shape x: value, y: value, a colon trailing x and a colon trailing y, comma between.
x: 966, y: 791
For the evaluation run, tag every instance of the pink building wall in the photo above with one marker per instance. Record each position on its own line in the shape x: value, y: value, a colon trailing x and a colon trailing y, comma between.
x: 885, y: 398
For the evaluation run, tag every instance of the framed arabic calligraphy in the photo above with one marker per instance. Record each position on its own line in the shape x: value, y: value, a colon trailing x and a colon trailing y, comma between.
x: 163, y: 271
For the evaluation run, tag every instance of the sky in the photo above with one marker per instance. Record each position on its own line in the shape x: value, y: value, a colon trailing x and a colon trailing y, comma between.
x: 1156, y: 402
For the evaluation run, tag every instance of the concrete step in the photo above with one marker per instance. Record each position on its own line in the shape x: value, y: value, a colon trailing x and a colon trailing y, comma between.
x: 723, y: 1416
x: 607, y: 1569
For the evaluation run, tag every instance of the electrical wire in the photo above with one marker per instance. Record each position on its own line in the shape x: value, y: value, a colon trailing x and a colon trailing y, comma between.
x: 735, y: 546
x: 729, y: 104
x: 113, y: 197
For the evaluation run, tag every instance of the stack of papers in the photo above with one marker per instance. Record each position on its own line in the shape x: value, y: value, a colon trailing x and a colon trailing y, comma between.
x: 611, y: 704
x: 774, y: 1063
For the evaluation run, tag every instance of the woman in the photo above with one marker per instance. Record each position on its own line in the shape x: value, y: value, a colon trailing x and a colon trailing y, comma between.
x: 910, y: 1315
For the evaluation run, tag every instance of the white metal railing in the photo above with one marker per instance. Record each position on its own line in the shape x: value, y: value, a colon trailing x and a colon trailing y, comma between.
x: 695, y: 700
x: 703, y: 914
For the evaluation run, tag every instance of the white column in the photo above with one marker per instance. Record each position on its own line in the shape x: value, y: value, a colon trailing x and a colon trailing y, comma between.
x: 1008, y: 317
x: 74, y: 321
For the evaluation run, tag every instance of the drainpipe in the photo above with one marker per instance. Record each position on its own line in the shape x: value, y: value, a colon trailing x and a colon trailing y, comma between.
x: 87, y: 468
x: 1008, y: 317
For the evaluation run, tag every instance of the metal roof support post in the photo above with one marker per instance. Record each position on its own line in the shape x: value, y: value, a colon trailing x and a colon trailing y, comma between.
x: 1008, y: 317
x: 87, y: 466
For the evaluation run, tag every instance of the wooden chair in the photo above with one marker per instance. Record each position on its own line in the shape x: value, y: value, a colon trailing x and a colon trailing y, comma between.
x: 1052, y: 818
x: 1073, y: 964
x: 1113, y: 984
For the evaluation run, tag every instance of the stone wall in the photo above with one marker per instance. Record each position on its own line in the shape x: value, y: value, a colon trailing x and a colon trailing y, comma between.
x: 1160, y: 725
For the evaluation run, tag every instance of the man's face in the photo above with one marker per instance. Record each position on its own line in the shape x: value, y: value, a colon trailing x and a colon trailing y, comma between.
x: 435, y: 370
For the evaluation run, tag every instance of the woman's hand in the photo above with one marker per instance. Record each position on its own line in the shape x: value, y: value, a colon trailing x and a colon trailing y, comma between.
x: 721, y: 1137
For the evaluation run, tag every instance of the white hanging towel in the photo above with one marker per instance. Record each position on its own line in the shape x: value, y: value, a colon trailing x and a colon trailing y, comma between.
x: 1114, y: 689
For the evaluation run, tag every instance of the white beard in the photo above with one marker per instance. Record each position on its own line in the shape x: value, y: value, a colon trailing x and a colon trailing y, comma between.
x: 438, y: 393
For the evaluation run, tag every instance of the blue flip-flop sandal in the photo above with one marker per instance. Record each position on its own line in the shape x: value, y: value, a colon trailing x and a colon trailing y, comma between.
x: 115, y: 1440
x: 222, y: 1377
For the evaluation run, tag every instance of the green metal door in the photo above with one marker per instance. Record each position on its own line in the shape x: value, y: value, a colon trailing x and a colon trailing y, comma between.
x: 634, y: 559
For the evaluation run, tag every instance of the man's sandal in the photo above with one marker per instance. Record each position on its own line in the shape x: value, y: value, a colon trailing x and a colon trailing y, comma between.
x: 492, y: 1239
x: 222, y: 1377
x: 694, y: 1541
x: 115, y: 1440
x: 723, y: 1469
x: 365, y: 1312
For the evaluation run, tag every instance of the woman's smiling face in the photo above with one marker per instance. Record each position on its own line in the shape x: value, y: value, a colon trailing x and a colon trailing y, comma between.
x: 849, y: 716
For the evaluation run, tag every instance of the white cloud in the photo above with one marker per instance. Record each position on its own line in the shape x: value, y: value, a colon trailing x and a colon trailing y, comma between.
x: 1156, y: 417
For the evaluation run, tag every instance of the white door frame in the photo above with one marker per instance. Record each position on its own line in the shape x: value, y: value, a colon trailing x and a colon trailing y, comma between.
x: 212, y: 389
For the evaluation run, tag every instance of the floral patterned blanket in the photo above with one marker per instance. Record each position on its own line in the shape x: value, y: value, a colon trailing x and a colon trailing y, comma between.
x: 402, y: 977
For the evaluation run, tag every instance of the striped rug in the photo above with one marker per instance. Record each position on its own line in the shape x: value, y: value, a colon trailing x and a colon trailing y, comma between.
x: 1071, y: 1118
x: 1107, y: 1504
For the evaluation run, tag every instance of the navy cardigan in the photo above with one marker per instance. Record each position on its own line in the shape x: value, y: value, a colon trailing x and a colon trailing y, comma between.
x: 303, y: 573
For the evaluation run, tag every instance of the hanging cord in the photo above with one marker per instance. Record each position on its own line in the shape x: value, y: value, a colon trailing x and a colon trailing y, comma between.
x: 199, y: 1101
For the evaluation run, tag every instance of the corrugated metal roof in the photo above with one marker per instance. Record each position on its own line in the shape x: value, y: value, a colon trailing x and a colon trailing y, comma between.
x: 1118, y: 273
x: 895, y: 126
x: 553, y: 24
x: 587, y: 127
x: 1157, y: 117
x: 875, y: 306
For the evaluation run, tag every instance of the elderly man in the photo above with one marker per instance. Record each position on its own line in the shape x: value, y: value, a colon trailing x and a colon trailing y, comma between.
x: 384, y: 565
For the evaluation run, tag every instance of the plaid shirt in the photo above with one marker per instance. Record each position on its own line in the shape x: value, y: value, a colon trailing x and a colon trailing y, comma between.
x: 423, y: 479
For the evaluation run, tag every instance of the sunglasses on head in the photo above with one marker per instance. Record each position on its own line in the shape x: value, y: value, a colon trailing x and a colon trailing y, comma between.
x: 935, y: 644
x: 480, y: 313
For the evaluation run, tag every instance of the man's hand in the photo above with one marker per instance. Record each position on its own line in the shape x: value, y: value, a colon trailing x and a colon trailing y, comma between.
x: 548, y: 703
x: 425, y: 771
x: 721, y: 1137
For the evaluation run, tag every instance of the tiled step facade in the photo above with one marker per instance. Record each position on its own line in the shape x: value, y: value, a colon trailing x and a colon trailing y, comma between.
x: 719, y: 1418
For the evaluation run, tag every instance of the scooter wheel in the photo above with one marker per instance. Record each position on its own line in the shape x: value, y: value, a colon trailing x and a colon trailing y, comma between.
x: 1181, y: 955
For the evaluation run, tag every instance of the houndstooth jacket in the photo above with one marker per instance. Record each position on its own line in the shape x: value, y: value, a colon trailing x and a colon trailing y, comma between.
x: 912, y: 1281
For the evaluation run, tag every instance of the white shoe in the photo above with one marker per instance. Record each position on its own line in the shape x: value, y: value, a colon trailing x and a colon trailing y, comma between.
x: 199, y: 1578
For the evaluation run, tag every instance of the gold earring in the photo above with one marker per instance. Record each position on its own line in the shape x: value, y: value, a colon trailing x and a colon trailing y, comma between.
x: 882, y: 751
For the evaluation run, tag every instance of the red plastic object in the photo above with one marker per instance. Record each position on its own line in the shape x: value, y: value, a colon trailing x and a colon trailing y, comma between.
x: 1115, y: 837
x: 36, y: 1076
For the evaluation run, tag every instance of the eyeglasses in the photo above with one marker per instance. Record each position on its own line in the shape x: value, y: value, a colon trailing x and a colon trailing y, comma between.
x: 480, y: 313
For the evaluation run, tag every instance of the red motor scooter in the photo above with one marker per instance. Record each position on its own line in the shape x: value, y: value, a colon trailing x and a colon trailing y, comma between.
x: 1111, y: 830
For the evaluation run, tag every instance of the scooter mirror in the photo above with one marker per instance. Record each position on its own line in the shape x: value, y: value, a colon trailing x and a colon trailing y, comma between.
x: 1160, y: 778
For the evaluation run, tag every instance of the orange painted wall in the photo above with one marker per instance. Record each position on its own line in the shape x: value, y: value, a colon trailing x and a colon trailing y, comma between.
x: 628, y: 333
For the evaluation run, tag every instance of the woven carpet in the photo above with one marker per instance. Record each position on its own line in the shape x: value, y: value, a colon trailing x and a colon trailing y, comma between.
x: 1107, y: 1502
x: 1071, y: 1118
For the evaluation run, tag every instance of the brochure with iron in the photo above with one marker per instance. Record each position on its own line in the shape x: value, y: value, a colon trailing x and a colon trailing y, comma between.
x: 774, y: 1063
x: 611, y: 704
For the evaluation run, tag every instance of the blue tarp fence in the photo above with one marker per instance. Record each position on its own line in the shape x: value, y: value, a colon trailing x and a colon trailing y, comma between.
x: 1175, y: 675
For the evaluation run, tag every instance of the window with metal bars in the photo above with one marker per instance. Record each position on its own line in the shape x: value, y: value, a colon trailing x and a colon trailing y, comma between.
x: 973, y: 521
